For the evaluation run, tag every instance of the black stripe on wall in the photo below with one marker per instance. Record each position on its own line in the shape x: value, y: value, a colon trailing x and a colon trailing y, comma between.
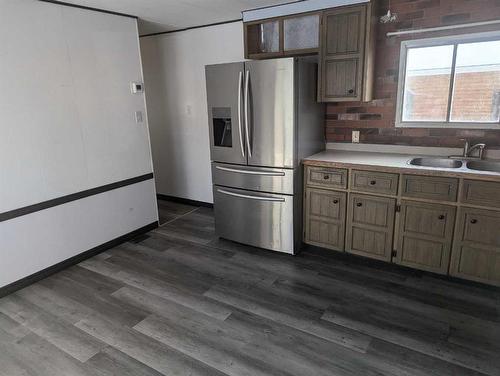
x: 72, y: 197
x: 89, y: 8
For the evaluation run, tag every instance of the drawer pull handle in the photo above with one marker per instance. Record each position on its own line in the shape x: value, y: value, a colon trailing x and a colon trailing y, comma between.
x: 473, y: 221
x: 326, y: 177
x: 373, y: 182
x: 335, y: 201
x: 350, y: 91
x: 359, y: 204
x: 441, y: 217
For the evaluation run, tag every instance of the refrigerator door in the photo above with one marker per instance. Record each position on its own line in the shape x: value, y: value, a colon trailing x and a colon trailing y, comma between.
x: 270, y: 112
x: 225, y: 112
x: 260, y: 219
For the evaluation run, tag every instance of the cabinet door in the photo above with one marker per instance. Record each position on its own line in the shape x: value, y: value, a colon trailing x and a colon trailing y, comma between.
x: 370, y: 226
x: 425, y: 235
x: 476, y: 249
x: 301, y: 33
x: 263, y: 39
x: 341, y: 78
x: 342, y: 53
x: 325, y: 218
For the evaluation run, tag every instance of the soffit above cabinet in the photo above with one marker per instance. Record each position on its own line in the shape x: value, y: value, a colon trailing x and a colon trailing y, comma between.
x: 295, y: 8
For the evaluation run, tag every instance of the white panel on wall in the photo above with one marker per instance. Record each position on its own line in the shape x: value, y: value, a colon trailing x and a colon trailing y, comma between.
x: 39, y: 240
x: 68, y: 124
x: 174, y: 71
x: 68, y: 116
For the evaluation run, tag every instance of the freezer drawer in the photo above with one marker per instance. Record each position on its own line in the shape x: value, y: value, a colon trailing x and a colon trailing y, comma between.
x: 260, y: 219
x: 275, y: 180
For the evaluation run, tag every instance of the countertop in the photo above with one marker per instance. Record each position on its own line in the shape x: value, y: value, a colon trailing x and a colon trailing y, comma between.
x: 391, y: 162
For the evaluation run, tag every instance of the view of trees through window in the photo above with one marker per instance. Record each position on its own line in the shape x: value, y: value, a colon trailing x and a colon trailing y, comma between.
x: 453, y: 83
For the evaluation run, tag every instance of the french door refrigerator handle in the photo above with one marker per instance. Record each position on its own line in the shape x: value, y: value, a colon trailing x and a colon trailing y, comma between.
x: 249, y: 172
x: 258, y: 198
x: 240, y: 82
x: 247, y: 93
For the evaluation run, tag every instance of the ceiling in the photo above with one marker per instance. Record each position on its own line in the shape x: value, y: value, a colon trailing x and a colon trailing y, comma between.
x: 167, y: 15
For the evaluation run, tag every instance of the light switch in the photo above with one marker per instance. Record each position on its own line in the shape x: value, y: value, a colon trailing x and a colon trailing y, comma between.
x: 137, y: 87
x: 138, y: 116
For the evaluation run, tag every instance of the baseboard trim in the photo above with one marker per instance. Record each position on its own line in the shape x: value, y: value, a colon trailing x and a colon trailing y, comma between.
x: 186, y: 201
x: 22, y: 283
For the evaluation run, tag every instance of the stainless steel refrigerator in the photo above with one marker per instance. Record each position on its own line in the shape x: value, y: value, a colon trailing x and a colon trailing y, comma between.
x: 263, y: 119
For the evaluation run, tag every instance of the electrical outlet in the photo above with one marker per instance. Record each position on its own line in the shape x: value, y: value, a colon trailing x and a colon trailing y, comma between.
x: 355, y: 137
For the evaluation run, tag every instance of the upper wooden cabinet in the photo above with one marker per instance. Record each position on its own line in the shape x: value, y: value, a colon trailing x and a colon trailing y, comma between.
x: 344, y: 37
x: 346, y: 54
x: 283, y: 36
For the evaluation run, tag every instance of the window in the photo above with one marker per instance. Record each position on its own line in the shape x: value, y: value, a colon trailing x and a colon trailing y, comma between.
x: 450, y: 82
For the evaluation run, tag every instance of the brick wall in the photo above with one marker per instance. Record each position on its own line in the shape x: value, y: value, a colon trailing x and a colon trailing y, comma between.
x: 376, y: 119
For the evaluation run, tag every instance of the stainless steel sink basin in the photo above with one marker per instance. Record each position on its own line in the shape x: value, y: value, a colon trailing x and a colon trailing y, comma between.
x: 436, y: 162
x: 484, y: 166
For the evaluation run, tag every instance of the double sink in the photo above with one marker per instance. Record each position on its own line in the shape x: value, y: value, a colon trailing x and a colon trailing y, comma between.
x: 476, y: 165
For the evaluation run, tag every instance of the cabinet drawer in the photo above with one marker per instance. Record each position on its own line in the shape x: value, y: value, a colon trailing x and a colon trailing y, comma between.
x: 481, y: 193
x: 429, y: 187
x: 376, y: 182
x: 326, y: 177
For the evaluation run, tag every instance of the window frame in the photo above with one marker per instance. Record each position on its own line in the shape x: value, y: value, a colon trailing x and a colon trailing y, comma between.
x: 432, y: 42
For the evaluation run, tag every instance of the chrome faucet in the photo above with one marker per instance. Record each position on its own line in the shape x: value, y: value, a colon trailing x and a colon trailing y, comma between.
x: 468, y: 150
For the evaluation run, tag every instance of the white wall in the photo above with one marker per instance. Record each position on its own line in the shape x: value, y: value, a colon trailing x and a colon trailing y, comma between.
x: 68, y: 125
x: 174, y: 71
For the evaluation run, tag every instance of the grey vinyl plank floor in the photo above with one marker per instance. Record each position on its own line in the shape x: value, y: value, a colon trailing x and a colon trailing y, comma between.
x: 180, y: 301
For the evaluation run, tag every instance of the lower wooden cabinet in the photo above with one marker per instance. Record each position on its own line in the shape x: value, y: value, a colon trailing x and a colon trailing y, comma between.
x: 325, y: 218
x: 425, y: 235
x: 370, y: 226
x: 476, y: 250
x: 418, y: 223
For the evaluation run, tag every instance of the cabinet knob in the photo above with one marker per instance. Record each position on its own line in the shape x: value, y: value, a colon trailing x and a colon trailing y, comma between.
x: 441, y: 217
x: 473, y: 221
x: 373, y: 182
x: 335, y: 201
x: 351, y: 91
x: 359, y: 204
x: 326, y: 177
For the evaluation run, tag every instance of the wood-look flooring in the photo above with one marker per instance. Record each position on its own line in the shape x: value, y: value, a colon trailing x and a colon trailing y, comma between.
x: 179, y: 301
